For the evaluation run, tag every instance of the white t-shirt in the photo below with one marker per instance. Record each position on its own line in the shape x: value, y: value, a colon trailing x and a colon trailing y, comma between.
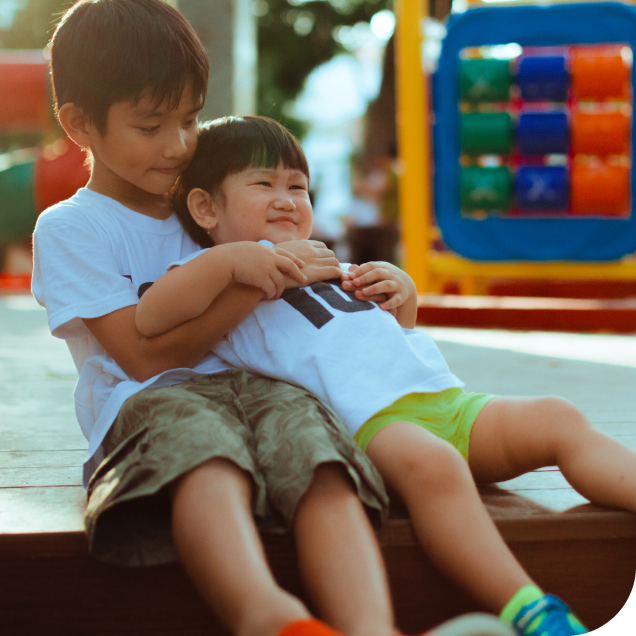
x: 92, y: 256
x: 350, y: 353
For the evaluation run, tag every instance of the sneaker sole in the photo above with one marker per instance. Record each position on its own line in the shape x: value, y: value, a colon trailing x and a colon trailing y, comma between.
x: 476, y: 624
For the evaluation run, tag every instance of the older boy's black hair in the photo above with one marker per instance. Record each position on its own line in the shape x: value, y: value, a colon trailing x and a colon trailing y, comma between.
x: 106, y: 51
x: 229, y: 145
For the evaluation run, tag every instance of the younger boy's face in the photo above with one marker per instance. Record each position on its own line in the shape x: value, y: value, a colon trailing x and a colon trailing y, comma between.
x: 145, y: 148
x: 263, y: 204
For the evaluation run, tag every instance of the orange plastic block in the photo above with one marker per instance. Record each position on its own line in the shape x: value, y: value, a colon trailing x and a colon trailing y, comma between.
x: 599, y: 73
x: 600, y: 189
x: 24, y: 91
x: 600, y: 133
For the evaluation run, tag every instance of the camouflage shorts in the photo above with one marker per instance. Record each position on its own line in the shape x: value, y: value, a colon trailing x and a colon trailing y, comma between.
x: 275, y: 431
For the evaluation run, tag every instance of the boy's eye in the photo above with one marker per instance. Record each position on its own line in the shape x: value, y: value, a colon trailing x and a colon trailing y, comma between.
x: 265, y: 183
x: 148, y: 129
x: 190, y: 123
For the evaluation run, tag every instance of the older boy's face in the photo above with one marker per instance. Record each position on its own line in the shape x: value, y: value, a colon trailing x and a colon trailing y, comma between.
x: 263, y: 203
x: 145, y: 148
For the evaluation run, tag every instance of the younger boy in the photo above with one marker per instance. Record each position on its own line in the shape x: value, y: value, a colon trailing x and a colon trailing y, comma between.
x: 248, y: 181
x: 183, y: 450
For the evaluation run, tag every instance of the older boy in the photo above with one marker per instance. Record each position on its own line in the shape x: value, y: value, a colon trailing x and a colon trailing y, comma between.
x: 182, y: 449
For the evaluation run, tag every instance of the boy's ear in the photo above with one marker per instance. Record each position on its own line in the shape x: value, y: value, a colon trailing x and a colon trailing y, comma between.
x: 202, y: 208
x: 75, y: 124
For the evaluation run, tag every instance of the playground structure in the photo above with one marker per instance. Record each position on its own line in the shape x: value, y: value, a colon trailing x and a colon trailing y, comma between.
x: 533, y: 142
x: 31, y: 179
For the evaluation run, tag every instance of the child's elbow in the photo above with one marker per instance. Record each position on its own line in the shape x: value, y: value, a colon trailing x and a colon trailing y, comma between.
x: 144, y: 326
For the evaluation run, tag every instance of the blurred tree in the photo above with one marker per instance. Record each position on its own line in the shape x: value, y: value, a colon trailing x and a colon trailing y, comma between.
x: 296, y: 36
x: 33, y: 25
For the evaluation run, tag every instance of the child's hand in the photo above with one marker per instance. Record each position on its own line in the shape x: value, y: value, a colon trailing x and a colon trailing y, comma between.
x: 388, y: 285
x: 265, y: 267
x: 320, y: 263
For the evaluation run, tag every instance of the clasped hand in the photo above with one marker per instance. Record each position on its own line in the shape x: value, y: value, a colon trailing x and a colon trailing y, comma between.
x: 379, y: 282
x: 286, y: 265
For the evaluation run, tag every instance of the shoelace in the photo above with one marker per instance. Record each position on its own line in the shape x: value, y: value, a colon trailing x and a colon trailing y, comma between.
x: 555, y: 623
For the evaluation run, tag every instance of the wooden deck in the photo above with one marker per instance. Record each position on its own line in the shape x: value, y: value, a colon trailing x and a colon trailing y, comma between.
x: 48, y: 584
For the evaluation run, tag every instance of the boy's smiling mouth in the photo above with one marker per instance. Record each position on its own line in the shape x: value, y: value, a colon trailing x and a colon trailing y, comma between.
x: 283, y: 219
x: 168, y: 171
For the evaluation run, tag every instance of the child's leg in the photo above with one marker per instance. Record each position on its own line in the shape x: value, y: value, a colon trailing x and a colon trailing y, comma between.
x: 320, y: 482
x: 219, y: 547
x: 512, y: 436
x: 447, y: 513
x: 339, y: 556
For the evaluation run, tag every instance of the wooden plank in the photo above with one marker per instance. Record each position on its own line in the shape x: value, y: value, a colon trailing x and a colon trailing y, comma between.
x: 51, y: 509
x: 51, y: 424
x: 558, y: 499
x: 24, y: 441
x: 40, y: 596
x: 41, y: 459
x: 27, y: 477
x: 43, y: 545
x: 540, y: 479
x: 595, y: 576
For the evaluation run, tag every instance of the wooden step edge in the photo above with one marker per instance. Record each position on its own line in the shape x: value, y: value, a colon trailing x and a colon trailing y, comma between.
x: 567, y: 526
x: 43, y: 545
x: 590, y: 525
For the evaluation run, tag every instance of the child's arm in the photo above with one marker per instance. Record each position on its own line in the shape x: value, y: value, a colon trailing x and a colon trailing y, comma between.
x: 185, y: 292
x: 184, y: 346
x: 392, y: 288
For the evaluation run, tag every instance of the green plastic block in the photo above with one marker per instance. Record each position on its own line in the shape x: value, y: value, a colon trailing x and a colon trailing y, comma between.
x: 485, y: 189
x: 484, y: 80
x: 486, y: 133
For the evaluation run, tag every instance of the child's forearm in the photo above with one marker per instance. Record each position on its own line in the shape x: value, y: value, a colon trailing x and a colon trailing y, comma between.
x: 183, y: 293
x: 406, y: 314
x: 143, y: 357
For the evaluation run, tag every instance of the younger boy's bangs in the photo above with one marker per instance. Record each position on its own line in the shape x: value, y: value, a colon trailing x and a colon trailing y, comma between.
x: 266, y: 156
x: 264, y: 143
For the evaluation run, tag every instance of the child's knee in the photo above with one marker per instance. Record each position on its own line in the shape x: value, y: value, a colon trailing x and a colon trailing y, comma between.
x: 561, y: 413
x: 217, y: 474
x: 435, y: 468
x: 564, y: 425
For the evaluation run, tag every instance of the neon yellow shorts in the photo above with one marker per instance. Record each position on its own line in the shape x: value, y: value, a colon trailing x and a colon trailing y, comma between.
x: 449, y: 415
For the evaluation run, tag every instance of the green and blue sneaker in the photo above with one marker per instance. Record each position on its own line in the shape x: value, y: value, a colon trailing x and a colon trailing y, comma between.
x: 547, y: 616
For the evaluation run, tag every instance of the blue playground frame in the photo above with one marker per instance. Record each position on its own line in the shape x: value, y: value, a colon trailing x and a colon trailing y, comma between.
x: 524, y: 239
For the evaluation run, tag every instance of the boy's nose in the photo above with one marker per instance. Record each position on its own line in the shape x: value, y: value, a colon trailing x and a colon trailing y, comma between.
x: 284, y: 203
x: 176, y: 145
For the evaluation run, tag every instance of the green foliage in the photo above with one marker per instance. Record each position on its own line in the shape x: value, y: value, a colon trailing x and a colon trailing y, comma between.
x: 296, y: 36
x: 34, y: 24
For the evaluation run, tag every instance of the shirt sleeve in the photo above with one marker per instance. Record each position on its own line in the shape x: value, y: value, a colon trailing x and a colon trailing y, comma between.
x: 76, y: 275
x: 186, y: 259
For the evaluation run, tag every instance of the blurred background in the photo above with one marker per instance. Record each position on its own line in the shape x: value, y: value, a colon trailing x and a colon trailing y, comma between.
x: 324, y: 68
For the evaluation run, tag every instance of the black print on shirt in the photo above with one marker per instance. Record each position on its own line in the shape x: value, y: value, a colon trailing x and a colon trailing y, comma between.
x: 318, y: 315
x: 142, y: 288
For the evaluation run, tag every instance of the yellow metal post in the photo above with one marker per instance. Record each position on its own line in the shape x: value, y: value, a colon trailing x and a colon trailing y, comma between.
x: 413, y: 140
